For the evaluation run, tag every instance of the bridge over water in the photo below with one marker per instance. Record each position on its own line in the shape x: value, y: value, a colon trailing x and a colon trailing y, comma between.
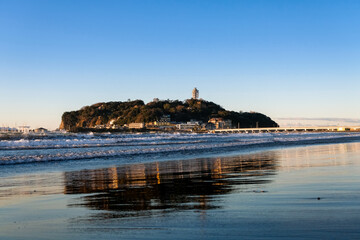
x: 289, y: 129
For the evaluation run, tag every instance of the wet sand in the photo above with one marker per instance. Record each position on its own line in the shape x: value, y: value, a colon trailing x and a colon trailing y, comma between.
x: 304, y: 192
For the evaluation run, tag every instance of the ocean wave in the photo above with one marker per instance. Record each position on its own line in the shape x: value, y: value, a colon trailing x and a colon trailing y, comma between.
x: 77, y: 147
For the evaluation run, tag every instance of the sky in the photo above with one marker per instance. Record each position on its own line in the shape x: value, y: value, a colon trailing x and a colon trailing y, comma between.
x: 296, y: 61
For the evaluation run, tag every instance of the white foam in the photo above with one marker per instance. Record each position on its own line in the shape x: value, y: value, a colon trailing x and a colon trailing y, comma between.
x: 80, y: 146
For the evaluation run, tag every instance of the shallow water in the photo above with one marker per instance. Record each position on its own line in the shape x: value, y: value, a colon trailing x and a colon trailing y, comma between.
x: 293, y: 192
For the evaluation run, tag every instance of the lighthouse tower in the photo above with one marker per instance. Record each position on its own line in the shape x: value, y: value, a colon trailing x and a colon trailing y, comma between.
x: 195, y: 93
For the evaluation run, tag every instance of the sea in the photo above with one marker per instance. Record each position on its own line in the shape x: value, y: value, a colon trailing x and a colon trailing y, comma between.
x: 301, y: 185
x: 130, y: 148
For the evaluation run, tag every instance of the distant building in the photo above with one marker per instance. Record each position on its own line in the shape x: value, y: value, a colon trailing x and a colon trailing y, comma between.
x: 189, y: 125
x: 115, y: 126
x: 220, y: 123
x: 7, y: 129
x: 163, y: 121
x: 208, y: 126
x: 40, y: 130
x: 136, y: 125
x: 100, y: 126
x: 195, y: 93
x: 184, y: 126
x: 24, y: 129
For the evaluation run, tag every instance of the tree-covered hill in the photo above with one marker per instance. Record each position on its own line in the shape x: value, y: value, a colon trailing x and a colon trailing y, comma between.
x: 120, y: 113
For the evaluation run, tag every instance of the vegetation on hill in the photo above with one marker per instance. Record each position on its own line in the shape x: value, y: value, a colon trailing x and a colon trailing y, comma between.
x: 120, y: 113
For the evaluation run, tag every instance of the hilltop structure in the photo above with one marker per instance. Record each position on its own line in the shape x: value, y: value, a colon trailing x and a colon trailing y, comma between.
x: 195, y: 93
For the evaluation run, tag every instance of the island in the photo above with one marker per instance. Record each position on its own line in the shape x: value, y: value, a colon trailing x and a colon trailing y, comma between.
x: 194, y: 115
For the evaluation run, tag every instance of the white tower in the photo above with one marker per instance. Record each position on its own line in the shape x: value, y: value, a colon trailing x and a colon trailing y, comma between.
x: 195, y: 93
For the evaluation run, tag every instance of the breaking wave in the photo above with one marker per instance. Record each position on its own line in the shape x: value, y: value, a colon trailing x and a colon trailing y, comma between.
x: 88, y: 146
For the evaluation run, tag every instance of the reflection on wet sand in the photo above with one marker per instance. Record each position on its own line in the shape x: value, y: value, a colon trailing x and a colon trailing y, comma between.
x: 20, y: 187
x: 141, y: 189
x: 317, y: 156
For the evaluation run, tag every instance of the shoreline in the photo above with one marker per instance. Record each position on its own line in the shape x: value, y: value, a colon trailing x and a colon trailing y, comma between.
x: 230, y: 130
x: 8, y: 135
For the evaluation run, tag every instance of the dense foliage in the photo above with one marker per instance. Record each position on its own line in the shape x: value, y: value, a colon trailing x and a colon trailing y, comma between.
x: 120, y: 113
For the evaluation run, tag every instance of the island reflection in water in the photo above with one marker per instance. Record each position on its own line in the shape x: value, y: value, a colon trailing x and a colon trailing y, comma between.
x: 143, y: 189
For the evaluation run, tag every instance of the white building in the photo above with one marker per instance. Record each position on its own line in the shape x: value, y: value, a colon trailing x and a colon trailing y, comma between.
x: 24, y: 129
x: 189, y: 125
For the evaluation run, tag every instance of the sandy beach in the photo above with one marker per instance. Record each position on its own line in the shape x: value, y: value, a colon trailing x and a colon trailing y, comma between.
x: 296, y: 192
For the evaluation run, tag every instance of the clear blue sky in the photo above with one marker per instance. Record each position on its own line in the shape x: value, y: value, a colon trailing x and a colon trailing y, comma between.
x: 286, y: 59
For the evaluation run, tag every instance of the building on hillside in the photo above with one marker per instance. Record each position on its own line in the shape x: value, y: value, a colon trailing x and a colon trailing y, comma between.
x: 184, y: 126
x: 220, y: 123
x: 136, y: 125
x: 189, y: 125
x: 168, y: 127
x: 195, y: 93
x: 208, y: 126
x: 163, y: 121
